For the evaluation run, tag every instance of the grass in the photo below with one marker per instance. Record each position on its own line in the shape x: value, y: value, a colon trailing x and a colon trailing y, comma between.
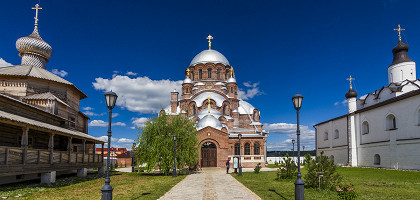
x: 126, y: 186
x: 369, y: 184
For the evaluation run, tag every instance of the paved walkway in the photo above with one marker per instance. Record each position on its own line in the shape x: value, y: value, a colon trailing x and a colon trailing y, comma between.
x: 209, y: 184
x: 125, y: 169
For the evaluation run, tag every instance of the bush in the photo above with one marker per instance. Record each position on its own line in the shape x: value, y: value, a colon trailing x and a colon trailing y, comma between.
x: 257, y: 168
x: 321, y: 164
x: 346, y: 192
x: 287, y: 168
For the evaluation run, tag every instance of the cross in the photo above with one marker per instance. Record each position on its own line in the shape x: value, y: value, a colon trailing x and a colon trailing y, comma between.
x: 36, y: 8
x: 209, y: 38
x: 188, y: 72
x: 231, y: 71
x: 399, y: 31
x: 350, y: 79
x: 209, y: 102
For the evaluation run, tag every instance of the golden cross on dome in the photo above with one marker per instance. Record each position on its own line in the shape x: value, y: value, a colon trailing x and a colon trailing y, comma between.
x: 36, y: 8
x: 350, y: 79
x: 209, y: 38
x: 231, y: 72
x: 188, y: 72
x: 399, y: 29
x: 209, y: 102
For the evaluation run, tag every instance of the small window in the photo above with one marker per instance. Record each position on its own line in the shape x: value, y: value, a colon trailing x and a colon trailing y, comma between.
x: 226, y: 75
x: 257, y: 148
x: 200, y: 74
x: 218, y: 74
x: 192, y: 75
x: 376, y: 159
x: 193, y: 109
x: 237, y: 147
x: 365, y: 127
x: 247, y: 149
x: 224, y: 109
x: 326, y: 136
x: 209, y: 73
x: 336, y: 134
x: 391, y: 122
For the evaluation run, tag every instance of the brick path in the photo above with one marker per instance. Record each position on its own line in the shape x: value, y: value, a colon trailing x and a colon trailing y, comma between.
x: 209, y: 184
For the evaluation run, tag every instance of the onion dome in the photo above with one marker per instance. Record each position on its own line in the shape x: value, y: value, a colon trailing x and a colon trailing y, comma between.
x: 209, y: 120
x: 33, y: 49
x: 231, y: 80
x: 209, y: 56
x: 400, y: 52
x: 188, y: 80
x: 351, y: 94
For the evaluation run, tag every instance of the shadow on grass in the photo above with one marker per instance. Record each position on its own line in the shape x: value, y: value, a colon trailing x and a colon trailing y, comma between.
x: 280, y: 195
x: 142, y: 195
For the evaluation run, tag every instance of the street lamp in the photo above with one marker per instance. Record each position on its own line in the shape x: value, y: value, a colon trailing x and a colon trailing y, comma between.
x: 132, y: 157
x: 240, y: 164
x: 110, y: 99
x: 293, y: 149
x: 174, y: 169
x: 299, y: 184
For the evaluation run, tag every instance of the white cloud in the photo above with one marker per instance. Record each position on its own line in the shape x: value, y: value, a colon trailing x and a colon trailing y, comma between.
x: 139, y: 94
x: 87, y: 108
x: 90, y: 113
x: 101, y: 123
x: 118, y: 142
x: 115, y: 115
x: 125, y: 140
x: 139, y: 122
x: 3, y: 63
x: 307, y: 136
x: 98, y: 123
x: 344, y: 103
x: 131, y: 74
x: 61, y: 73
x: 133, y: 127
x: 250, y: 91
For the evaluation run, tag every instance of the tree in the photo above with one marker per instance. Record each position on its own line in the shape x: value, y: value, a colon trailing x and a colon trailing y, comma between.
x: 287, y: 168
x: 321, y: 164
x: 156, y: 143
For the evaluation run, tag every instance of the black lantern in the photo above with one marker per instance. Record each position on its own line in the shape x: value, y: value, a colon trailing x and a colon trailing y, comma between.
x: 174, y: 169
x: 240, y: 164
x: 297, y: 101
x: 299, y: 184
x: 110, y: 99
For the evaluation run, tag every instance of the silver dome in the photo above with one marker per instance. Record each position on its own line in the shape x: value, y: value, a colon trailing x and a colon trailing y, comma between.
x: 209, y: 120
x: 187, y: 80
x: 205, y: 112
x: 31, y: 47
x: 231, y: 80
x: 209, y: 56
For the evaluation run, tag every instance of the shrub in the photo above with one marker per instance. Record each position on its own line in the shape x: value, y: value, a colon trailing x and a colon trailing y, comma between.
x: 321, y: 164
x: 346, y: 192
x: 257, y: 168
x: 287, y: 168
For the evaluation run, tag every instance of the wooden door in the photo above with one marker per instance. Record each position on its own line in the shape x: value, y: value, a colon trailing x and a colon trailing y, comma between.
x: 208, y: 155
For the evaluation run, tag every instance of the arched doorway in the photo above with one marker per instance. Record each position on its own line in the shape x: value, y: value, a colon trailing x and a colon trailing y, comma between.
x: 208, y: 155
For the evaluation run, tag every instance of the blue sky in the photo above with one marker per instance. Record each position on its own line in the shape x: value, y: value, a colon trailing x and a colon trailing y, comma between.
x: 140, y: 49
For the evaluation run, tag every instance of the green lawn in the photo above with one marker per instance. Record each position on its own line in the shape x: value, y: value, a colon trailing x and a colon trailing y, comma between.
x: 369, y: 183
x: 126, y: 186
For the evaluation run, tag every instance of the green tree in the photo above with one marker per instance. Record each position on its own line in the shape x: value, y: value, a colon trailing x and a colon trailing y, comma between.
x: 287, y: 168
x: 322, y: 164
x: 156, y: 143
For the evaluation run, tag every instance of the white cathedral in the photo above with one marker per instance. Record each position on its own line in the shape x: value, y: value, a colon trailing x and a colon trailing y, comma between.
x: 381, y: 129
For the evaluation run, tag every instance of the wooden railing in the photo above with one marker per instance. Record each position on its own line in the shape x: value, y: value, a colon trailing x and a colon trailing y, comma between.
x: 17, y: 156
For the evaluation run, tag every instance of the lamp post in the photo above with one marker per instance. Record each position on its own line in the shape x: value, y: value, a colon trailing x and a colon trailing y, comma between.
x: 174, y: 169
x: 293, y: 149
x: 240, y: 164
x: 110, y: 99
x: 132, y: 157
x: 299, y: 184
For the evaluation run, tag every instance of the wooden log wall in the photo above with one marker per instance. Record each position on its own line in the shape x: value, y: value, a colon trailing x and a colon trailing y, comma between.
x: 10, y: 135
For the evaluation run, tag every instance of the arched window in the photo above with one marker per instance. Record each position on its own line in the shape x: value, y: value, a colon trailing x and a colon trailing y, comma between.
x: 247, y: 149
x: 218, y: 74
x: 391, y: 122
x: 418, y: 117
x: 231, y: 90
x: 237, y: 148
x: 224, y: 109
x: 365, y: 127
x: 376, y: 159
x: 209, y: 73
x: 336, y: 134
x: 192, y: 75
x: 226, y: 75
x: 193, y: 109
x: 257, y: 148
x: 326, y: 136
x: 200, y: 74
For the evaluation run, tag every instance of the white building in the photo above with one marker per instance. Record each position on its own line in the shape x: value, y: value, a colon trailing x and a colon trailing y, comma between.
x: 381, y: 129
